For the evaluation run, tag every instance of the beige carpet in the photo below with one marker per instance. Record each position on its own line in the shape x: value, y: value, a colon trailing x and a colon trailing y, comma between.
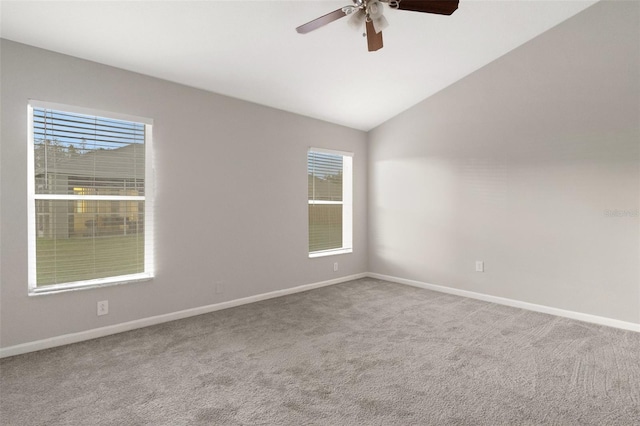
x: 366, y: 352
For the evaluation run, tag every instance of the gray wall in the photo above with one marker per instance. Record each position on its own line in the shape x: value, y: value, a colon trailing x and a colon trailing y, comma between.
x: 520, y: 165
x: 231, y: 194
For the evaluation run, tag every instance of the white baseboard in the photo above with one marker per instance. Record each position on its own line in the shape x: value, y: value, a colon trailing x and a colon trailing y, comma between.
x: 609, y: 322
x: 159, y: 319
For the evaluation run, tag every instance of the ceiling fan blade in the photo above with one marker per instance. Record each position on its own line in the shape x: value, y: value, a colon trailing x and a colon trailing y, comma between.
x: 441, y: 7
x: 374, y: 40
x: 321, y: 21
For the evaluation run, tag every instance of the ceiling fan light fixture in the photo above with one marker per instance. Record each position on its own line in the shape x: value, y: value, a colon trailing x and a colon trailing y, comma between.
x: 356, y: 19
x: 374, y: 9
x: 375, y: 15
x: 380, y: 23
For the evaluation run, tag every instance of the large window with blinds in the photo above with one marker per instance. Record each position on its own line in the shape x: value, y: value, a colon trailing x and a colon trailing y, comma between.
x: 90, y: 192
x: 329, y: 175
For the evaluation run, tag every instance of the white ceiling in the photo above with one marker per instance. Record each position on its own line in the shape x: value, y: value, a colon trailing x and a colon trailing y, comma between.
x: 250, y: 49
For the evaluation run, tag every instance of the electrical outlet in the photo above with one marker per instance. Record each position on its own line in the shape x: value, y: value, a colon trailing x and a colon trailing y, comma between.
x: 335, y: 267
x: 479, y: 266
x: 219, y: 287
x: 103, y: 307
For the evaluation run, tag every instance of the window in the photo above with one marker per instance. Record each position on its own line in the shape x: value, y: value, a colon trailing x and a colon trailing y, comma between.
x: 330, y: 180
x: 90, y: 191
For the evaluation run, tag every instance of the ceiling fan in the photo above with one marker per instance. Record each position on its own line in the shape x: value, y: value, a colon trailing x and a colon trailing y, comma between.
x: 370, y: 13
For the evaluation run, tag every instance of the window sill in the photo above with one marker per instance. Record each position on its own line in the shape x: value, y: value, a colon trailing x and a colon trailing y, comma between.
x: 86, y: 285
x: 329, y: 253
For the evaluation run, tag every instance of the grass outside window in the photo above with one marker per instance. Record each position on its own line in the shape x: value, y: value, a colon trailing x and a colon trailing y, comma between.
x: 58, y: 259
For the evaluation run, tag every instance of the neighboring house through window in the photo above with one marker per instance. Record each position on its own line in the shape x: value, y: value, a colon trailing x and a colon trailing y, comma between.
x: 329, y: 175
x: 90, y: 191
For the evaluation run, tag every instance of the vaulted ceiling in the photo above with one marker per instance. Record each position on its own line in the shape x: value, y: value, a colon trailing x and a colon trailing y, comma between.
x: 250, y: 49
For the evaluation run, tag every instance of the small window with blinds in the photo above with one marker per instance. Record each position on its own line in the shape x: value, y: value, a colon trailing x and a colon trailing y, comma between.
x: 329, y: 175
x: 89, y: 198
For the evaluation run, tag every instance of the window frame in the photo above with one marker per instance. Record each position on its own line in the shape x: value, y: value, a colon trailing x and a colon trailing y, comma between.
x: 148, y: 198
x: 347, y: 203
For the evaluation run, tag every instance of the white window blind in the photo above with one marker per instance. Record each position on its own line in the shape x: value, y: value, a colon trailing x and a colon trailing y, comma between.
x: 90, y: 220
x: 329, y: 175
